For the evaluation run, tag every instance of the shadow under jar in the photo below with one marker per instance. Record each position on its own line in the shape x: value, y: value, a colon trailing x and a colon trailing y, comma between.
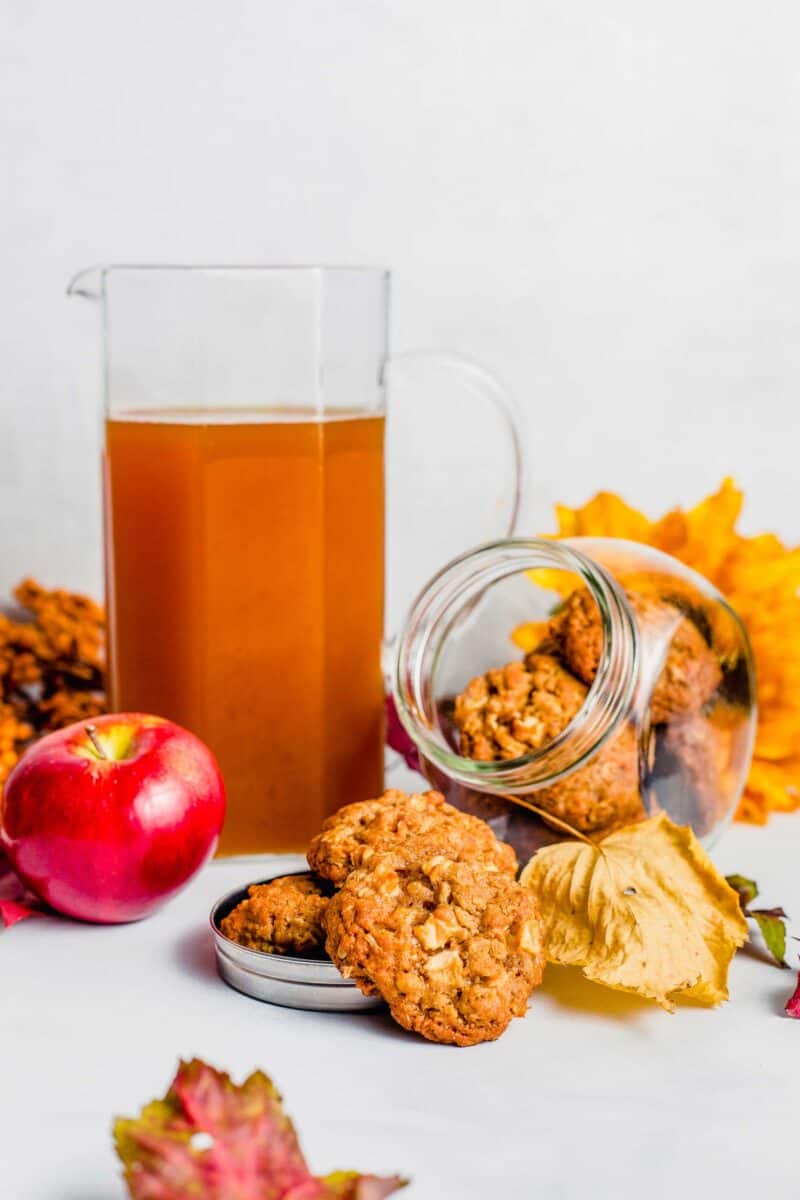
x: 596, y: 679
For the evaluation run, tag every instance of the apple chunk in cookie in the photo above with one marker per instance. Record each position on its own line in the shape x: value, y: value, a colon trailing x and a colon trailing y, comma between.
x: 454, y: 949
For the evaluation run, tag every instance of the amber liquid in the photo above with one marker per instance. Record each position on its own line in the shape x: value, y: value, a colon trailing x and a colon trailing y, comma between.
x: 245, y: 588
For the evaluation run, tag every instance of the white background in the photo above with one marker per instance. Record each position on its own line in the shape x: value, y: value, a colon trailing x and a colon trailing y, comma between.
x: 599, y: 201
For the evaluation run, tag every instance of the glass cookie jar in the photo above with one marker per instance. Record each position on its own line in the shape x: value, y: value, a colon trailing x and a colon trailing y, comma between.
x: 592, y: 679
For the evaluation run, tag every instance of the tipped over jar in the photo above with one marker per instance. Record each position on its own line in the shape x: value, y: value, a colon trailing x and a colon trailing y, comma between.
x: 584, y: 683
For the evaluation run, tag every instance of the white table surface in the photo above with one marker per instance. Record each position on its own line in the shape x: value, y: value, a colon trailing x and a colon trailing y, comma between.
x: 594, y: 1094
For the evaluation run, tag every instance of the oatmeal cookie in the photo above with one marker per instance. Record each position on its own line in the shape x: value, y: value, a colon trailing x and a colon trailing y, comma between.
x: 691, y: 672
x: 522, y: 707
x: 453, y: 949
x: 689, y: 678
x: 425, y: 823
x: 510, y: 711
x: 689, y: 777
x: 283, y: 916
x: 603, y: 795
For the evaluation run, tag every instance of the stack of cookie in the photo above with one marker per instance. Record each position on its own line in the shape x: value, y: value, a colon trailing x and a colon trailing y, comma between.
x: 425, y: 911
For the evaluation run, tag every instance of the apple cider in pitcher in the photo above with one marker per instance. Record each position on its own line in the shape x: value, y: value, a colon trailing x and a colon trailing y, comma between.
x: 244, y: 416
x: 245, y: 575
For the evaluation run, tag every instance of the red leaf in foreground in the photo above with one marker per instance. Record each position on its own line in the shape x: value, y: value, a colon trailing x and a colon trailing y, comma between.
x: 215, y: 1140
x: 793, y: 1003
x: 349, y: 1185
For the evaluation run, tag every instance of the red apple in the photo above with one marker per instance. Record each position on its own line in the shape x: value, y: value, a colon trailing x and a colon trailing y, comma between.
x: 106, y: 819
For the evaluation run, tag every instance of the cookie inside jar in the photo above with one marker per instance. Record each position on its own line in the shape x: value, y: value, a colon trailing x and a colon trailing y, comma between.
x: 578, y: 685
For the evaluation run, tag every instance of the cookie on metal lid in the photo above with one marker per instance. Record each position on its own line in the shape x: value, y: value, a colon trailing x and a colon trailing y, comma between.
x: 283, y: 916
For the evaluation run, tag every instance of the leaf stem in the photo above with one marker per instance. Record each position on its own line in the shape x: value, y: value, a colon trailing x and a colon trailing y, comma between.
x: 522, y: 802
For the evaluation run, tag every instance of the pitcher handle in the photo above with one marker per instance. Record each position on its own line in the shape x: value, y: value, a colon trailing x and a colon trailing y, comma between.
x: 473, y: 379
x: 484, y: 383
x: 488, y: 521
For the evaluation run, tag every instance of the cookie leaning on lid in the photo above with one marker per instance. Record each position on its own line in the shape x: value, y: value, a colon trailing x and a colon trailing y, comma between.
x: 356, y: 833
x: 454, y: 949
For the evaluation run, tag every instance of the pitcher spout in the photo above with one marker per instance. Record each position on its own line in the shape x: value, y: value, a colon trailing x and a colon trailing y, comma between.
x: 89, y: 283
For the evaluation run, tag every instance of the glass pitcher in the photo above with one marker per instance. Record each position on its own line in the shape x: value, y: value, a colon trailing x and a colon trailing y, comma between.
x: 244, y: 521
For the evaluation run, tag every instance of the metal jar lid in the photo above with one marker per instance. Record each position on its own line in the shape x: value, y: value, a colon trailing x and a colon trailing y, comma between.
x: 312, y: 983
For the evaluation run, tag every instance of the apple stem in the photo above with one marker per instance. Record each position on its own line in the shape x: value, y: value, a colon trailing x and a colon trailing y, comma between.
x: 91, y: 733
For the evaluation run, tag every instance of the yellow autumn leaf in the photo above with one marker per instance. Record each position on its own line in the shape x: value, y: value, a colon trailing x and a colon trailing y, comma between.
x: 530, y: 635
x: 760, y: 578
x: 643, y: 911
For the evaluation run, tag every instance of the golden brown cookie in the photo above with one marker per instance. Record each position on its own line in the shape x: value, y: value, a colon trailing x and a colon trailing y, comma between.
x: 283, y: 916
x: 513, y: 710
x: 356, y: 833
x: 523, y: 707
x: 604, y: 794
x: 691, y: 672
x: 453, y: 949
x: 689, y: 778
x: 575, y: 635
x: 689, y: 678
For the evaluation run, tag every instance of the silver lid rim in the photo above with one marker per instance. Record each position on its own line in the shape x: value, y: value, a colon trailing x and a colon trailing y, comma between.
x: 313, y: 983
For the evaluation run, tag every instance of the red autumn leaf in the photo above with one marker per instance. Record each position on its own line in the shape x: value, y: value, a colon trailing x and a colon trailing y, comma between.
x: 398, y: 739
x: 215, y: 1140
x: 11, y: 912
x: 793, y: 1003
x: 16, y: 902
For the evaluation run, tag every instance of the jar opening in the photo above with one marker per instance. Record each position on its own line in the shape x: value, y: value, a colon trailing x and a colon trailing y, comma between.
x: 461, y: 627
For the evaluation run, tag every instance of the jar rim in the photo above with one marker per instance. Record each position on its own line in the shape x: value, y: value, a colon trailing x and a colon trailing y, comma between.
x: 460, y: 583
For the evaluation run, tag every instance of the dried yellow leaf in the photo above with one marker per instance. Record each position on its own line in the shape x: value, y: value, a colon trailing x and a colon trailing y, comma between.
x: 643, y: 911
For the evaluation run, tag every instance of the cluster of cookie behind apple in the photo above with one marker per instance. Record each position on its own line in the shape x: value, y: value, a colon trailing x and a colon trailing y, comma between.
x: 416, y: 902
